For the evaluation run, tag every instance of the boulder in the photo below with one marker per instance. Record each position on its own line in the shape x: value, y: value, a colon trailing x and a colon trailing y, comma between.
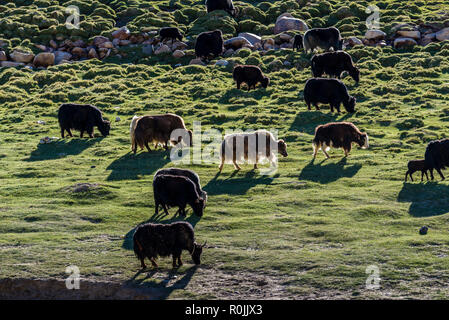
x: 24, y: 57
x: 53, y: 44
x: 62, y: 55
x: 289, y: 23
x: 442, y: 34
x: 98, y: 40
x: 228, y: 52
x: 92, y: 54
x: 404, y: 43
x: 237, y: 42
x: 178, y: 54
x: 41, y: 47
x: 116, y: 42
x: 125, y: 42
x: 104, y: 52
x: 122, y: 34
x: 354, y: 41
x: 79, y: 43
x: 147, y: 49
x: 80, y: 52
x: 107, y: 45
x: 178, y: 45
x: 409, y: 34
x: 197, y: 61
x: 44, y: 59
x: 3, y: 56
x: 285, y: 14
x: 375, y: 35
x: 12, y: 64
x: 285, y: 37
x: 162, y: 49
x: 251, y: 37
x: 222, y: 63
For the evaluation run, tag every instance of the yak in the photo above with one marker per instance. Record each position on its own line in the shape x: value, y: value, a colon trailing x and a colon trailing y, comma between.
x: 333, y: 64
x: 152, y: 240
x: 298, y: 42
x: 416, y: 165
x: 82, y: 117
x: 251, y: 75
x: 209, y: 43
x: 170, y: 33
x: 324, y: 38
x: 332, y: 91
x: 437, y: 156
x: 225, y: 5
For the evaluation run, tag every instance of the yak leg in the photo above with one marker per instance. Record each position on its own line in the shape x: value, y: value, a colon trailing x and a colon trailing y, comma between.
x: 153, y: 262
x: 406, y: 174
x: 147, y: 146
x: 411, y: 176
x: 238, y: 84
x: 142, y: 263
x: 441, y: 174
x: 69, y: 132
x: 427, y: 177
x: 165, y: 209
x: 179, y: 260
x: 316, y: 106
x: 323, y: 148
x: 315, y: 149
x: 308, y: 105
x: 236, y: 166
x: 222, y: 163
x: 422, y: 176
x: 62, y: 133
x: 82, y: 133
x: 174, y: 261
x: 431, y: 173
x: 156, y: 207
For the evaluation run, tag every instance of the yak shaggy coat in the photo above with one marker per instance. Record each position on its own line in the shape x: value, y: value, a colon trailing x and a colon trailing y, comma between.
x: 338, y: 135
x: 332, y: 91
x: 238, y: 147
x: 156, y: 129
x: 209, y: 43
x: 225, y: 5
x: 154, y: 240
x: 251, y: 75
x: 324, y: 38
x: 333, y: 64
x: 437, y: 156
x: 81, y: 117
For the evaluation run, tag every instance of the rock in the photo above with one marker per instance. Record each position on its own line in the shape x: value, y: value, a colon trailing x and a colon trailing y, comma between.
x: 116, y: 42
x: 375, y: 35
x: 222, y: 63
x: 147, y: 49
x: 442, y: 34
x: 409, y: 34
x: 63, y: 61
x: 53, y: 44
x: 228, y: 53
x: 44, y: 59
x: 125, y: 42
x: 104, y: 53
x: 107, y: 45
x: 24, y: 57
x: 122, y: 34
x: 178, y: 65
x: 92, y: 54
x: 423, y: 230
x: 285, y: 37
x: 251, y: 37
x: 62, y: 55
x: 404, y: 43
x: 162, y: 49
x: 286, y: 45
x: 354, y: 41
x: 3, y: 56
x: 79, y: 43
x: 289, y: 23
x: 98, y: 40
x: 270, y: 41
x: 178, y: 45
x: 237, y: 42
x: 80, y: 52
x: 178, y: 54
x: 382, y: 43
x: 12, y: 64
x: 41, y: 47
x: 285, y: 14
x: 287, y: 63
x: 197, y: 61
x: 117, y: 119
x: 41, y: 122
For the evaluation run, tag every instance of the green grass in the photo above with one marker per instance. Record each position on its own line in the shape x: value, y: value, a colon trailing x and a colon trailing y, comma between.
x: 309, y: 231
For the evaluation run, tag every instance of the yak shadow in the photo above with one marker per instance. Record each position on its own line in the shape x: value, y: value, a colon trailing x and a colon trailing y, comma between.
x: 62, y: 148
x: 193, y: 219
x: 237, y: 186
x: 131, y: 166
x: 426, y: 199
x: 325, y: 173
x: 307, y: 121
x: 161, y: 290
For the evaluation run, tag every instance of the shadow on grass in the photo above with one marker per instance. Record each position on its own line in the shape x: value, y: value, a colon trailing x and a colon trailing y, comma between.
x: 243, y: 93
x: 193, y: 219
x: 426, y: 199
x: 162, y: 290
x: 62, y: 148
x: 325, y: 173
x: 307, y: 121
x: 237, y: 186
x: 130, y: 165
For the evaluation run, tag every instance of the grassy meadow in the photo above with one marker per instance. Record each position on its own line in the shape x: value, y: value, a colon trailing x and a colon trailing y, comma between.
x: 309, y: 231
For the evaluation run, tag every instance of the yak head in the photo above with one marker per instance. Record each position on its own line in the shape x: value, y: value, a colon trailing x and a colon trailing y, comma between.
x: 104, y: 127
x: 355, y: 74
x: 282, y: 148
x: 350, y: 104
x: 196, y: 253
x: 265, y: 82
x: 198, y: 206
x: 363, y: 141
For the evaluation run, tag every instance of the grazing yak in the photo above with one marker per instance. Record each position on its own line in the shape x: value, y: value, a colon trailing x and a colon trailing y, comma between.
x: 209, y: 43
x: 333, y: 64
x: 157, y: 129
x: 252, y: 147
x: 324, y: 38
x: 297, y: 42
x: 251, y: 75
x: 190, y: 174
x: 170, y: 33
x: 416, y: 165
x: 132, y: 128
x: 152, y: 240
x: 332, y: 91
x: 225, y: 5
x: 437, y: 156
x: 82, y: 117
x: 176, y: 191
x: 338, y: 135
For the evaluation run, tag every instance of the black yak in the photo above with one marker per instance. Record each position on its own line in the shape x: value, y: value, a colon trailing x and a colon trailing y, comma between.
x: 416, y: 165
x: 251, y: 75
x: 225, y: 5
x: 437, y: 156
x: 188, y: 174
x: 324, y: 38
x: 176, y: 191
x: 82, y: 117
x: 209, y: 43
x: 170, y: 33
x: 332, y: 91
x: 338, y: 135
x: 297, y: 42
x: 154, y: 240
x: 333, y: 64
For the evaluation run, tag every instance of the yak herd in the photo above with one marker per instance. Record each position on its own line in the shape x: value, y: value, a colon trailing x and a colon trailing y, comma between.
x: 176, y: 187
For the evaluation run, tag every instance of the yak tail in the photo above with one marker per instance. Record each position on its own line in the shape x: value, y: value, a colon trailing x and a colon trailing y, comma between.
x: 132, y: 128
x: 138, y: 249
